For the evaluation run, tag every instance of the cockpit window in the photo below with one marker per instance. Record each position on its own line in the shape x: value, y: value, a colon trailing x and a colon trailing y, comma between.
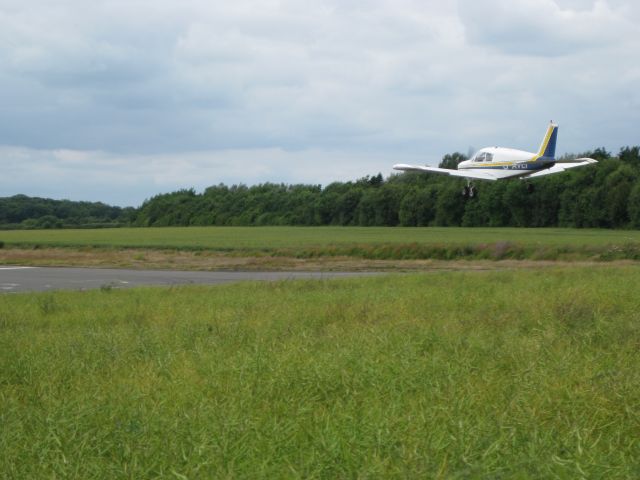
x: 488, y: 157
x: 479, y: 157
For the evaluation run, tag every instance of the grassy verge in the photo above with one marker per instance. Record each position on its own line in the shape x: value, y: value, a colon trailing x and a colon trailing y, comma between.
x: 469, y: 251
x: 205, y: 260
x: 353, y: 242
x: 484, y: 374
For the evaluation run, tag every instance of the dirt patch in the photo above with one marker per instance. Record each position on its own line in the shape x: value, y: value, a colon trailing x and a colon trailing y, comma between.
x: 203, y: 260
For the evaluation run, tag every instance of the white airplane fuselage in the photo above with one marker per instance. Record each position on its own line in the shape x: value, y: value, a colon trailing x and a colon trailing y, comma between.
x: 506, y: 162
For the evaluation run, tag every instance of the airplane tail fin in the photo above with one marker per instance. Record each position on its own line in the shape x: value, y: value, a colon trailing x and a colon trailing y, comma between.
x: 548, y: 146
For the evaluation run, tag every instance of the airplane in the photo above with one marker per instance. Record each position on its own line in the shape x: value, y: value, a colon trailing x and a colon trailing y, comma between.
x: 497, y: 163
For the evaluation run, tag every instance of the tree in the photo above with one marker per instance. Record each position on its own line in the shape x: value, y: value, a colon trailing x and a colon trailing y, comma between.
x: 617, y: 189
x: 27, y: 212
x: 474, y: 214
x: 599, y: 153
x: 634, y: 206
x: 518, y: 203
x: 450, y: 205
x: 630, y: 155
x: 376, y: 180
x: 451, y: 160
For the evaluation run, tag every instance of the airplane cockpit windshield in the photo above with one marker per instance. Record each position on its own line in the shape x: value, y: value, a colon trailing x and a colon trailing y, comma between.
x: 483, y: 157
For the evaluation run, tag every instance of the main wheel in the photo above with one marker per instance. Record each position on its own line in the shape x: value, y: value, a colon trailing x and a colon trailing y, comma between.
x: 472, y: 192
x: 465, y: 192
x: 530, y: 188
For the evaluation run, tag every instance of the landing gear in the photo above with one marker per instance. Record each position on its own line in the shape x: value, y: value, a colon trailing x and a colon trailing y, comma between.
x: 530, y: 188
x: 469, y: 191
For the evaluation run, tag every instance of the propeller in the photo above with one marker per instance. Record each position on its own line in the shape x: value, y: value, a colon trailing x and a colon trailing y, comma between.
x: 470, y: 151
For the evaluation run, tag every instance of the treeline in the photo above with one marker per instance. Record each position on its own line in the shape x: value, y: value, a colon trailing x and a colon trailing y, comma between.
x: 606, y: 195
x: 21, y: 211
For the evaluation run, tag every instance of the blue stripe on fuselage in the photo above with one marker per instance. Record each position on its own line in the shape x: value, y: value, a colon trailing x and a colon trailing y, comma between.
x: 538, y: 164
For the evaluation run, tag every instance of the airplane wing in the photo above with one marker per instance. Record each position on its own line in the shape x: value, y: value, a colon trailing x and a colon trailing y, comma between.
x: 445, y: 171
x: 562, y: 166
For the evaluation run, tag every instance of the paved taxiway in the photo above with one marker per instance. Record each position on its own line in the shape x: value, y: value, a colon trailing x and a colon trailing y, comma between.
x: 38, y: 279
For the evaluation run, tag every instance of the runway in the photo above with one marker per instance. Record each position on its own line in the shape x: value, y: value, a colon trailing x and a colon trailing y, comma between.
x: 39, y: 279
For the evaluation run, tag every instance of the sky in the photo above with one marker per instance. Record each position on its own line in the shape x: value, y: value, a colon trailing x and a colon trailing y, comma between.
x: 120, y: 100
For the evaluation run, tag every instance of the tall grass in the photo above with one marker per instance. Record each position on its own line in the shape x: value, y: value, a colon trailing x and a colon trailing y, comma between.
x: 358, y: 242
x: 452, y: 375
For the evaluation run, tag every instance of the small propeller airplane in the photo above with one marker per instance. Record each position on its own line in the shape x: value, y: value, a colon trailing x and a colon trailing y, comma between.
x: 497, y: 163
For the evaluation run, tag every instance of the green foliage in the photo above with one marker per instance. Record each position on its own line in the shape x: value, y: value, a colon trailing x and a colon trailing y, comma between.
x: 443, y: 375
x: 599, y: 154
x: 25, y: 212
x: 630, y: 155
x: 449, y: 206
x: 634, y: 206
x: 451, y: 160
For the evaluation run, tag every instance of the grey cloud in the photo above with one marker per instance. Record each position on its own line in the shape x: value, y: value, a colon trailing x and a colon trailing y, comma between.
x: 215, y: 64
x: 543, y: 27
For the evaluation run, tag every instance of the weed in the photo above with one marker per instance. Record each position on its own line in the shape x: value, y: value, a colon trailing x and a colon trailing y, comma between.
x: 47, y: 304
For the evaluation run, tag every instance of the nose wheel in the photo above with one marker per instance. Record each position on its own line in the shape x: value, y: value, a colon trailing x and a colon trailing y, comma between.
x: 469, y: 191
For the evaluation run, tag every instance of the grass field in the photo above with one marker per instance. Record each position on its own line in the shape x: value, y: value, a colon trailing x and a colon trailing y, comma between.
x: 445, y: 375
x: 250, y: 238
x: 373, y: 242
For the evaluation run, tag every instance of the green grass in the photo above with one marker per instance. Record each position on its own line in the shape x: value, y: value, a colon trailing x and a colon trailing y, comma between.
x: 374, y: 242
x: 233, y: 238
x: 512, y: 374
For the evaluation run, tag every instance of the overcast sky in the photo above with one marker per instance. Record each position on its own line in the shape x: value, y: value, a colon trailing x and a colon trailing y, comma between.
x: 118, y: 100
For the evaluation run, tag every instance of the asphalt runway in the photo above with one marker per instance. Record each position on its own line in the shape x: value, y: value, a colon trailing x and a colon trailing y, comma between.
x: 39, y: 279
